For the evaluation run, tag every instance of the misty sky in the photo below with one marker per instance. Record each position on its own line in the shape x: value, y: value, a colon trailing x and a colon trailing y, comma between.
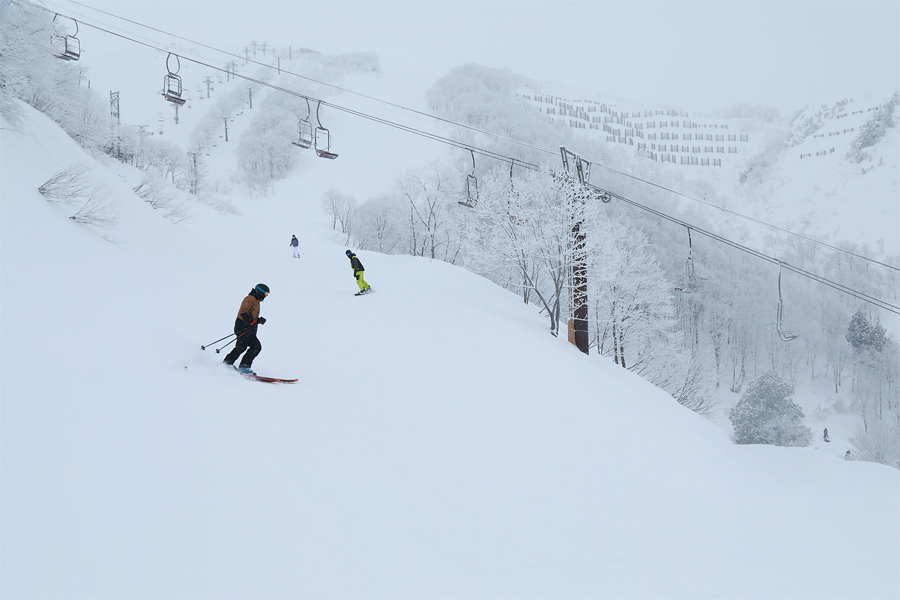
x: 696, y: 55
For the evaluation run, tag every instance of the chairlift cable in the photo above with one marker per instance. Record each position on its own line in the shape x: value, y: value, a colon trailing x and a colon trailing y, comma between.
x: 495, y: 135
x: 808, y: 274
x: 497, y: 156
x: 324, y: 83
x: 429, y: 135
x: 749, y: 218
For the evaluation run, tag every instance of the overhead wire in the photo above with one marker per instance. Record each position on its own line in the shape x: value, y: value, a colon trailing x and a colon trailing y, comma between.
x: 323, y: 83
x: 433, y: 136
x: 512, y: 160
x: 810, y: 275
x: 749, y: 218
x: 498, y: 136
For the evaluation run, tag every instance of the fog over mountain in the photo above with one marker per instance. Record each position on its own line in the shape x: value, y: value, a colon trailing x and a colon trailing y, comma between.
x: 735, y: 244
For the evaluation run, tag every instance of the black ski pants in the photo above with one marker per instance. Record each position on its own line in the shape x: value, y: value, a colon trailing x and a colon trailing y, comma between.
x: 248, y: 342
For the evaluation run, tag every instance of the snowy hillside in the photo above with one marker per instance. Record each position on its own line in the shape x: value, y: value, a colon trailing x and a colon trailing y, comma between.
x: 808, y: 183
x: 820, y: 186
x: 438, y: 443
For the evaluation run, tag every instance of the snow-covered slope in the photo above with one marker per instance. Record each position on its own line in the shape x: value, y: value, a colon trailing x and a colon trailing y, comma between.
x: 762, y: 168
x: 823, y: 193
x: 439, y: 442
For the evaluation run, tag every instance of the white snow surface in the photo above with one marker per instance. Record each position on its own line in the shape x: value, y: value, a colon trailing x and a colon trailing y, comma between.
x: 438, y: 444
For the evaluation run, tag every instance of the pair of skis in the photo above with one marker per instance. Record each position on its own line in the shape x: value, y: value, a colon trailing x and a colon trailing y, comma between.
x: 268, y: 379
x: 254, y: 377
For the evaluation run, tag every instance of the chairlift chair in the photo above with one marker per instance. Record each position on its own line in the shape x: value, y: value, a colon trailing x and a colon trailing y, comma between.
x: 69, y: 45
x: 471, y: 190
x: 172, y: 88
x: 471, y: 186
x: 323, y: 139
x: 583, y: 170
x: 304, y: 131
x: 582, y: 167
x: 70, y: 48
x: 564, y: 154
x: 689, y: 269
x: 305, y: 135
x: 785, y: 336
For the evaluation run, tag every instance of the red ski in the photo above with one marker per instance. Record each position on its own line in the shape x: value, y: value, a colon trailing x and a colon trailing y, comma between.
x: 269, y: 379
x: 255, y: 377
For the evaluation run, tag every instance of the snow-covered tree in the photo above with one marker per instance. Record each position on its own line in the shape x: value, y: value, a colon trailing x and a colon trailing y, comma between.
x: 76, y: 187
x: 831, y: 317
x: 878, y: 442
x: 876, y: 381
x: 156, y: 191
x: 693, y: 384
x: 197, y: 172
x: 265, y: 152
x: 521, y: 237
x: 428, y: 197
x: 865, y: 334
x: 874, y: 129
x: 342, y: 210
x: 378, y: 224
x: 30, y: 72
x: 478, y: 95
x: 765, y: 414
x: 634, y: 319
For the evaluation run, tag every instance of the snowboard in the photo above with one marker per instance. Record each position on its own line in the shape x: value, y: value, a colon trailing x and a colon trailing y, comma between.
x: 365, y: 293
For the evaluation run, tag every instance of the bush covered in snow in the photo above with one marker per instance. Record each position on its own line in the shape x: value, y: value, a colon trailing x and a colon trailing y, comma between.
x: 32, y: 73
x: 873, y: 130
x: 765, y: 414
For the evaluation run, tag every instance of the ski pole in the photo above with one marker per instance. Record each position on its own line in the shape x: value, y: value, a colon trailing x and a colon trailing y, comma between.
x: 226, y: 345
x: 230, y: 342
x: 217, y: 341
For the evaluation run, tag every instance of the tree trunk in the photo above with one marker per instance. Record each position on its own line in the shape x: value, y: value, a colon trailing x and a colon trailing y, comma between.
x: 580, y: 297
x: 615, y: 338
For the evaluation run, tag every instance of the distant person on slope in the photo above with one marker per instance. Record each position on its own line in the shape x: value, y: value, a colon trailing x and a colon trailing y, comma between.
x: 245, y: 329
x: 825, y: 435
x: 295, y: 244
x: 358, y: 271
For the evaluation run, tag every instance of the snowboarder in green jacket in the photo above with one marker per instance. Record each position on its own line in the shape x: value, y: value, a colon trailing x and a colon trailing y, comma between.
x: 358, y: 272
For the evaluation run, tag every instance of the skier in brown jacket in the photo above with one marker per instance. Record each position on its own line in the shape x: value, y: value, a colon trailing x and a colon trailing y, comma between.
x: 245, y: 329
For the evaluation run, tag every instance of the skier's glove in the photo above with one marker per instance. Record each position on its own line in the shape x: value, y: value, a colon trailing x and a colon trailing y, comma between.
x: 261, y: 320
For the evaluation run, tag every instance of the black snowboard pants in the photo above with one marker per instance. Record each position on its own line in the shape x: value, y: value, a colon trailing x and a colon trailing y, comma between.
x: 248, y: 342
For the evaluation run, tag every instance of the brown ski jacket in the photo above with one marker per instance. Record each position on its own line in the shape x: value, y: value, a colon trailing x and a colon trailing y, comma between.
x: 248, y: 315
